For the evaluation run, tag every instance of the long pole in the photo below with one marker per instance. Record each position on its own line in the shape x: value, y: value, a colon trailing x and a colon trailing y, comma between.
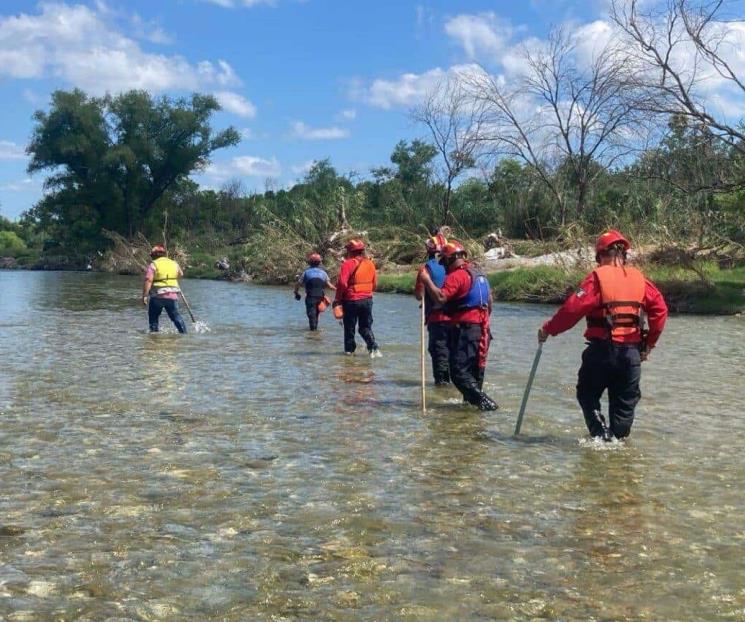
x: 527, y: 388
x: 422, y: 360
x: 188, y: 308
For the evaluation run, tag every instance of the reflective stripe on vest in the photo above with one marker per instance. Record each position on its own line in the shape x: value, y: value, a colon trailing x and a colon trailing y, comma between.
x: 622, y: 293
x: 477, y: 296
x: 166, y: 273
x: 362, y: 279
x: 437, y: 273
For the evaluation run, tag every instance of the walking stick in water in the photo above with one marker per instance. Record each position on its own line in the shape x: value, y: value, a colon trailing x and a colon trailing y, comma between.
x: 422, y: 363
x: 527, y: 389
x: 188, y: 308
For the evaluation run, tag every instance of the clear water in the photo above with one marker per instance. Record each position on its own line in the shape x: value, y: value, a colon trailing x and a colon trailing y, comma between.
x: 252, y: 472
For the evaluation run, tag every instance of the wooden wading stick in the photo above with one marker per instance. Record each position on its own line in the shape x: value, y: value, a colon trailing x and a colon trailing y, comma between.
x: 188, y: 308
x: 422, y: 361
x: 527, y: 389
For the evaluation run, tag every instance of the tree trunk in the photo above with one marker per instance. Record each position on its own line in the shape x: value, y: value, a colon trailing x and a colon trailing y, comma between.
x: 446, y: 203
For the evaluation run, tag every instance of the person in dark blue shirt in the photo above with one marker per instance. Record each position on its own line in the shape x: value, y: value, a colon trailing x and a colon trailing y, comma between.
x: 315, y: 280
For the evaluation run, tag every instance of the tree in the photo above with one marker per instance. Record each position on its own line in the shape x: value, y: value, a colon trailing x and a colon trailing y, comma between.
x: 562, y: 112
x: 407, y: 187
x: 677, y: 54
x: 112, y: 159
x: 454, y: 121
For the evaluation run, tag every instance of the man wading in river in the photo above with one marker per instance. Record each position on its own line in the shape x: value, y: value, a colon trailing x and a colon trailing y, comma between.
x: 466, y: 297
x: 438, y: 322
x: 160, y: 289
x: 613, y: 297
x: 314, y: 279
x: 354, y: 292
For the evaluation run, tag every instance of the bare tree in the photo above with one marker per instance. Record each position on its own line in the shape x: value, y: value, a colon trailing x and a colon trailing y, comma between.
x: 678, y: 52
x: 563, y: 112
x: 454, y: 120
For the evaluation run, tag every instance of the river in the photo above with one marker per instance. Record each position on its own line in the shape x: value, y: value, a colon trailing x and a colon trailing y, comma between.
x: 252, y: 472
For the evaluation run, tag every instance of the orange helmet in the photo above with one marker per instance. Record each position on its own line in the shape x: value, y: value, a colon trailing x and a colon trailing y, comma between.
x: 314, y: 259
x: 158, y: 251
x: 453, y: 247
x: 355, y: 245
x: 609, y: 238
x: 433, y: 246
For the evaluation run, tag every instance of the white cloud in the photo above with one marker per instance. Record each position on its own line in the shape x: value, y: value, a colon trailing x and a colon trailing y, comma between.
x: 235, y: 103
x: 406, y: 90
x: 301, y: 130
x: 410, y: 89
x: 150, y: 31
x: 348, y: 115
x: 483, y: 35
x: 78, y: 45
x: 21, y: 185
x: 11, y: 151
x: 302, y: 169
x: 252, y: 166
x: 246, y: 166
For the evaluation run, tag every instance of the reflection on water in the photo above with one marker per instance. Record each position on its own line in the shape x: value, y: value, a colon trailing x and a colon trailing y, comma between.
x: 253, y: 473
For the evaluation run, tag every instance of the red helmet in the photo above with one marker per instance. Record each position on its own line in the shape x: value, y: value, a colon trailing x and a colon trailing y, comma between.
x: 355, y: 245
x: 158, y: 250
x: 433, y: 246
x: 609, y: 238
x: 314, y: 259
x: 452, y: 248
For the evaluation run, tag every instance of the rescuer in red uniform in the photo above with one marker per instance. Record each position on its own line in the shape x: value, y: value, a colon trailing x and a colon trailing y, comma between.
x: 466, y: 299
x: 614, y: 298
x: 358, y: 279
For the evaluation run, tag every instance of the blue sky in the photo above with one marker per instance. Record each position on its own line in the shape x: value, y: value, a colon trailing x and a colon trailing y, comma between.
x: 301, y: 79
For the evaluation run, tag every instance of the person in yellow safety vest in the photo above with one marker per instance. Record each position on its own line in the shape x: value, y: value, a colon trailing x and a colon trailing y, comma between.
x: 160, y: 289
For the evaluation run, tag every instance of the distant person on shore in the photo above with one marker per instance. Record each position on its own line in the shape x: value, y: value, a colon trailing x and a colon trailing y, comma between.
x: 438, y: 322
x: 614, y: 299
x: 357, y: 281
x: 161, y: 289
x: 466, y: 297
x: 315, y: 280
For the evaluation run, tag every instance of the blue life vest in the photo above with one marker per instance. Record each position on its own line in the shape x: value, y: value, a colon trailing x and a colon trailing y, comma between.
x: 437, y: 272
x: 314, y: 280
x: 478, y: 296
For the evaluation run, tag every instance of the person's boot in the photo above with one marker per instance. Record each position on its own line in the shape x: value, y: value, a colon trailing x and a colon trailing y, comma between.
x: 605, y: 432
x: 487, y: 403
x: 442, y: 380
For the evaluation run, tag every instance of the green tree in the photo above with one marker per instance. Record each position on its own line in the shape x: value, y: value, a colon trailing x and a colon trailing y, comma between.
x: 112, y: 159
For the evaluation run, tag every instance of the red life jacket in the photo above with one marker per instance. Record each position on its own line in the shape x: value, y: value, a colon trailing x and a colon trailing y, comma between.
x: 622, y: 293
x: 363, y: 277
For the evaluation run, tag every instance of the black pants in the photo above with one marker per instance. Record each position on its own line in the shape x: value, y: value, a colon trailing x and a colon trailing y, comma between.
x: 155, y: 308
x: 358, y: 312
x: 439, y: 350
x: 616, y: 368
x: 464, y: 361
x: 311, y: 309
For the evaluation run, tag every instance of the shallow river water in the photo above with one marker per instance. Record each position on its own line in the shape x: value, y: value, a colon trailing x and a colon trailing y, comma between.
x: 252, y: 472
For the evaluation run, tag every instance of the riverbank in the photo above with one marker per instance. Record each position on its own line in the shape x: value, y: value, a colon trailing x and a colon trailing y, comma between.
x: 709, y: 291
x: 723, y: 293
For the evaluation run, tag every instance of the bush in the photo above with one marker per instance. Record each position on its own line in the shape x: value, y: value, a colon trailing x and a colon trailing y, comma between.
x: 11, y: 244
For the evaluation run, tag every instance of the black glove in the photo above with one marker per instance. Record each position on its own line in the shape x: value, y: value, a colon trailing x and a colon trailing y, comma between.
x: 298, y: 296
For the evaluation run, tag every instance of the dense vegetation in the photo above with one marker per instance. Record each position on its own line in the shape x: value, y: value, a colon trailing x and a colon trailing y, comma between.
x: 613, y: 145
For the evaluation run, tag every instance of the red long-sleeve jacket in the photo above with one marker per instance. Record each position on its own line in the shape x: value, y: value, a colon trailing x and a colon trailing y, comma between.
x: 343, y: 293
x: 587, y: 301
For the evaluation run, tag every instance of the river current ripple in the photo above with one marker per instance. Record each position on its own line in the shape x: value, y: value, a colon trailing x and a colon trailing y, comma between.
x: 252, y: 472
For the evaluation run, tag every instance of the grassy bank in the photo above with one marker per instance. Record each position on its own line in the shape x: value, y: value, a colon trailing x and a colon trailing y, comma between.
x: 685, y: 292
